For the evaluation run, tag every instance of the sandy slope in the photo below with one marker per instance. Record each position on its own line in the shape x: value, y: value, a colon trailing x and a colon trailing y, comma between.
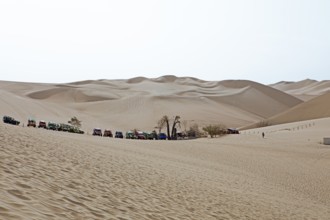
x: 141, y: 102
x: 54, y: 175
x: 318, y: 107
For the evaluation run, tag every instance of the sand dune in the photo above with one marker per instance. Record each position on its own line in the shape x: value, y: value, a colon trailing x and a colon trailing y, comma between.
x: 287, y: 86
x: 318, y: 107
x: 305, y: 89
x: 140, y: 102
x: 54, y: 175
x: 66, y: 95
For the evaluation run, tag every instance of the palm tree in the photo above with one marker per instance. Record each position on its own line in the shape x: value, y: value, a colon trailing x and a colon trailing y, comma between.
x: 162, y: 122
x: 175, y: 123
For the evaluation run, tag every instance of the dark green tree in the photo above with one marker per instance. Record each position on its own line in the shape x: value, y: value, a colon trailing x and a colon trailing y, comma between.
x: 75, y: 122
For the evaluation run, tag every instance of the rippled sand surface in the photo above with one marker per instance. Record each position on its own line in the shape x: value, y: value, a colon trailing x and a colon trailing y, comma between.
x: 53, y: 175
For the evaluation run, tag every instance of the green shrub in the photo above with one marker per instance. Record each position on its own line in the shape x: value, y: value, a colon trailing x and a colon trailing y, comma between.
x: 215, y: 130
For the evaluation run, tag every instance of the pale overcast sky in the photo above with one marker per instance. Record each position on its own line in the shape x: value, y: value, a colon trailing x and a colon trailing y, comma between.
x: 70, y: 40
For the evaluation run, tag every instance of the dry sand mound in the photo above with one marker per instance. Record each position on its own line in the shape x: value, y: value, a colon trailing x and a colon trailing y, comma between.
x: 66, y: 94
x: 318, y: 107
x: 273, y: 93
x: 305, y: 89
x: 141, y: 102
x: 289, y: 86
x: 136, y: 80
x: 54, y: 175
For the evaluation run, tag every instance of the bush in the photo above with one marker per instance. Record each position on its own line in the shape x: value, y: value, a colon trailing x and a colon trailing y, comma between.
x: 75, y: 122
x: 214, y: 130
x: 194, y: 132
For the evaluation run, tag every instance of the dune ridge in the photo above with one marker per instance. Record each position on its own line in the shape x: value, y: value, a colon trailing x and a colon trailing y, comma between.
x: 318, y: 107
x: 46, y: 174
x: 305, y: 89
x: 142, y: 101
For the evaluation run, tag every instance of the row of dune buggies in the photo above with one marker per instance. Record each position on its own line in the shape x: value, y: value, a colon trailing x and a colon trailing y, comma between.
x: 55, y: 126
x: 131, y: 134
x: 96, y: 131
x: 43, y: 124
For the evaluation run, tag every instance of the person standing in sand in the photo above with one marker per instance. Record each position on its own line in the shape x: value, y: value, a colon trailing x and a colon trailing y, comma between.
x: 263, y: 135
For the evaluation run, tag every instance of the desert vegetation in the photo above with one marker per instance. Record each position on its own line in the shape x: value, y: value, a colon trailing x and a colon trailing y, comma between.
x: 75, y: 122
x: 194, y: 131
x: 215, y: 130
x: 165, y: 121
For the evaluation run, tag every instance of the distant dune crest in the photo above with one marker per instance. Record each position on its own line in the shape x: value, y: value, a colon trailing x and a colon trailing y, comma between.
x: 140, y: 102
x: 305, y: 89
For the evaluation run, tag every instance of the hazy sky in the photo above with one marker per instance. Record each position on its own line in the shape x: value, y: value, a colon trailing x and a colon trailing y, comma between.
x: 70, y: 40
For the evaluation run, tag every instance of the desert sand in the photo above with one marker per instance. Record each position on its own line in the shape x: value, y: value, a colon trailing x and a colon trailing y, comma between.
x: 140, y: 102
x: 56, y: 175
x: 305, y: 89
